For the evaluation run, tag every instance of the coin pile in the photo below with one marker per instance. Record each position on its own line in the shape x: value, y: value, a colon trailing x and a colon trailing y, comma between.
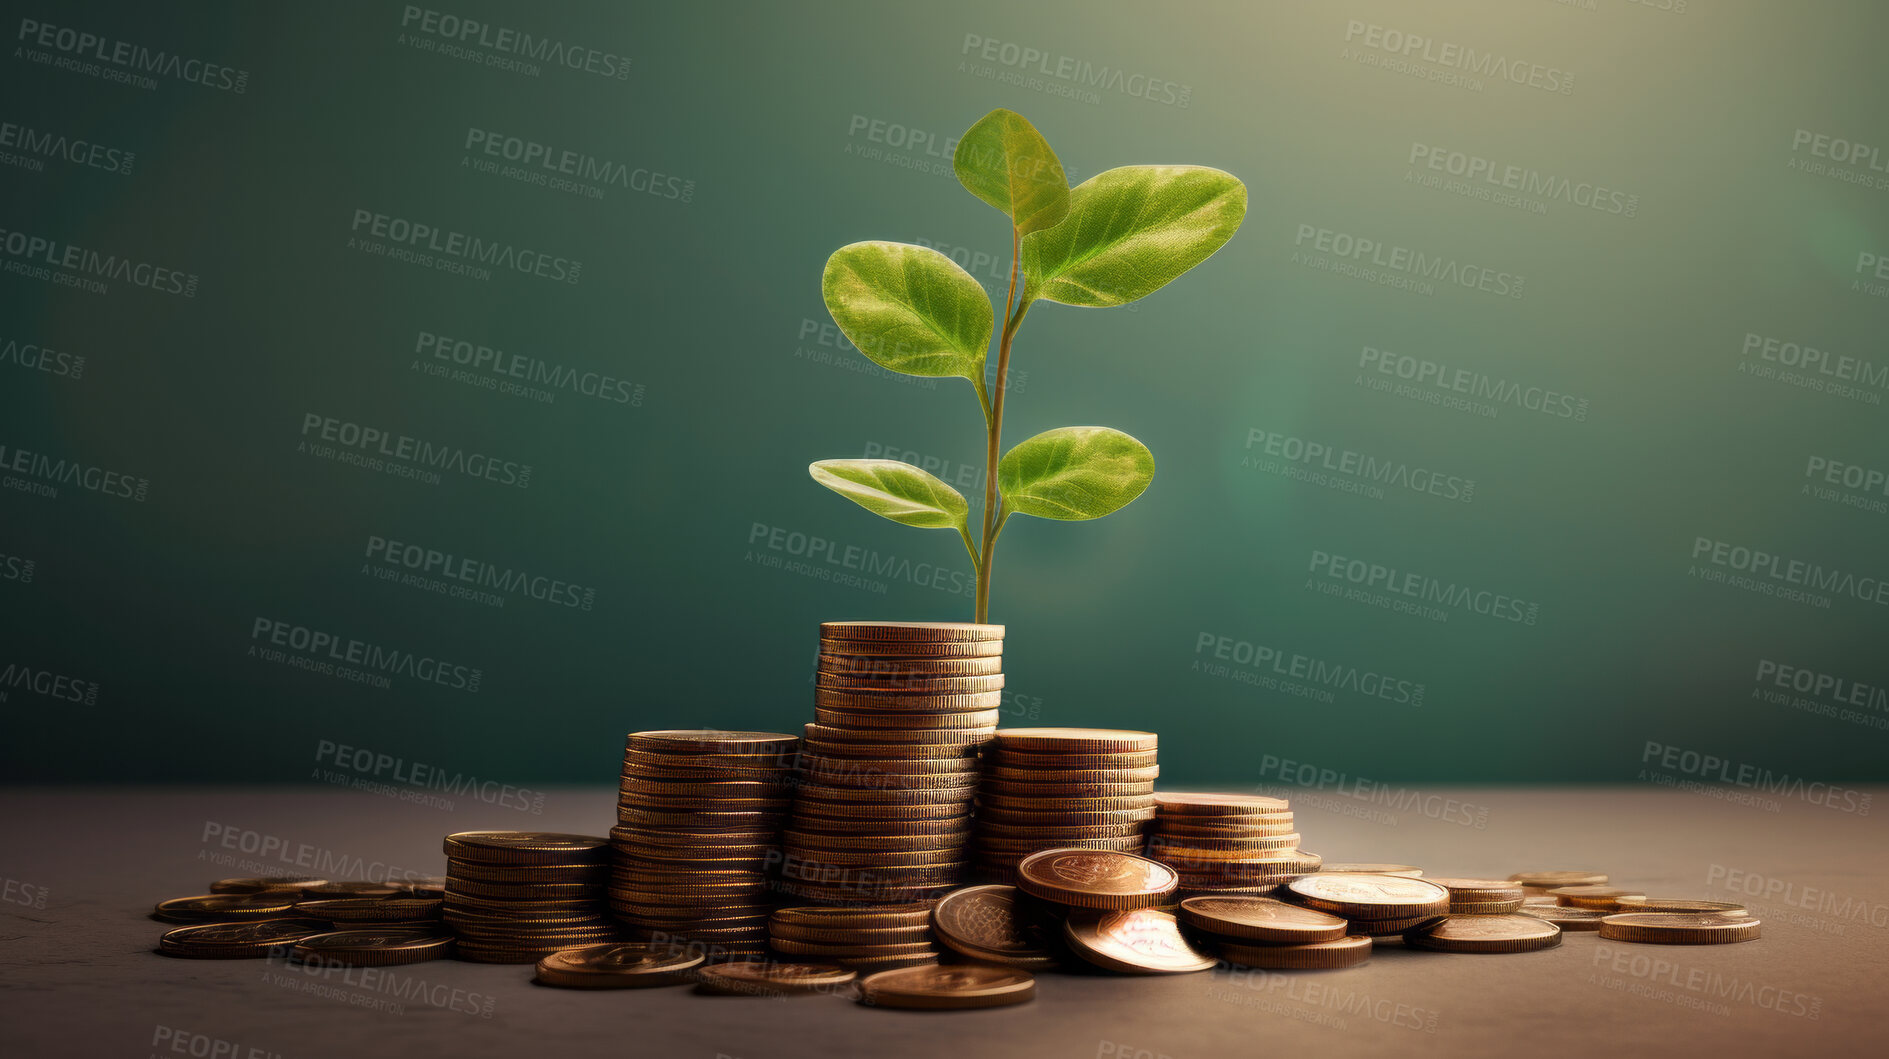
x: 518, y: 896
x: 698, y: 826
x: 1106, y: 903
x: 860, y: 938
x: 1228, y: 843
x: 1050, y: 788
x: 889, y: 766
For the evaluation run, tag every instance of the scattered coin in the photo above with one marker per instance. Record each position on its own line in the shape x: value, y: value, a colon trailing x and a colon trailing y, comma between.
x: 772, y: 978
x: 1481, y: 897
x: 1606, y: 898
x: 1261, y: 919
x: 225, y: 908
x: 1136, y: 941
x: 374, y: 948
x: 1321, y: 955
x: 1102, y: 879
x: 984, y: 923
x: 1679, y: 928
x: 237, y: 941
x: 1635, y: 903
x: 1567, y: 917
x: 1485, y: 934
x: 954, y: 986
x: 1366, y: 896
x: 617, y: 966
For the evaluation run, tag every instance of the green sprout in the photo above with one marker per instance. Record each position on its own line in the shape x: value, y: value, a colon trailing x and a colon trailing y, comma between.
x: 1114, y: 238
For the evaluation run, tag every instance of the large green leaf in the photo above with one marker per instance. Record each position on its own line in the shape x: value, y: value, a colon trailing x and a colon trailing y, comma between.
x: 1074, y: 473
x: 1130, y: 231
x: 1004, y: 161
x: 898, y: 491
x: 909, y: 308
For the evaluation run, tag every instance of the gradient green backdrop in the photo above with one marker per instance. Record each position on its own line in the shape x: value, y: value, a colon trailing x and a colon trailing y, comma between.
x: 705, y: 305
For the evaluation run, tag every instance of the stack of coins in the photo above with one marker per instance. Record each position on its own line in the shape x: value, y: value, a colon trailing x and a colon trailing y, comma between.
x: 888, y: 769
x: 698, y: 826
x: 1049, y: 788
x: 1228, y: 843
x: 862, y: 939
x: 517, y: 896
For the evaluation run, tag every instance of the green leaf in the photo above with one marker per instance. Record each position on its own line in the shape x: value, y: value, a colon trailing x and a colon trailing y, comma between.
x: 1074, y: 473
x: 1130, y: 231
x: 909, y: 308
x: 1004, y: 161
x: 898, y: 491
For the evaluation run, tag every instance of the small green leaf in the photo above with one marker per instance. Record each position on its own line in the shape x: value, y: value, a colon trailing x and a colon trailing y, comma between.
x: 1130, y: 231
x: 1074, y: 473
x: 898, y: 491
x: 1004, y: 161
x: 909, y: 308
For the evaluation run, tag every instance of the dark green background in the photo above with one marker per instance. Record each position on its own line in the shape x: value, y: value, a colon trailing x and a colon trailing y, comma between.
x: 703, y: 303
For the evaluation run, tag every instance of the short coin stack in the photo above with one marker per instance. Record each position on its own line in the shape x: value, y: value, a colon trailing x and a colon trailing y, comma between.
x: 889, y: 766
x: 1273, y: 935
x: 1373, y: 904
x: 1048, y: 788
x: 698, y: 827
x: 518, y: 896
x: 1228, y: 843
x: 863, y: 939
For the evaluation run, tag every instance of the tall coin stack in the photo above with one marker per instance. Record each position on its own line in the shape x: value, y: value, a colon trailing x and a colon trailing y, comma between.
x: 889, y: 766
x: 518, y: 896
x: 698, y: 822
x: 1048, y: 788
x: 1228, y: 843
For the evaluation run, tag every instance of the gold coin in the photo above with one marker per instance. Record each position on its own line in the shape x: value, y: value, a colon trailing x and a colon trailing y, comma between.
x: 1018, y: 848
x: 1142, y: 791
x: 947, y: 740
x: 237, y: 941
x: 985, y: 923
x: 772, y: 978
x: 1136, y: 941
x: 527, y: 847
x: 374, y: 948
x: 1055, y: 817
x: 1565, y: 917
x: 1183, y: 850
x: 1548, y: 880
x: 1063, y: 803
x: 1006, y: 757
x: 821, y: 792
x: 1218, y: 805
x: 1102, y: 879
x: 901, y: 915
x: 1027, y: 774
x: 351, y: 888
x: 875, y: 964
x: 265, y: 884
x: 371, y: 909
x: 849, y: 935
x: 956, y: 986
x: 706, y: 789
x: 500, y: 873
x: 711, y: 741
x: 911, y: 649
x: 905, y: 720
x: 225, y: 908
x: 907, y: 631
x: 909, y: 685
x: 1484, y: 908
x: 882, y: 667
x: 1364, y: 868
x: 810, y: 815
x: 1363, y: 896
x: 1478, y: 890
x: 1000, y: 829
x: 823, y: 840
x: 1401, y: 924
x: 1635, y: 903
x: 1323, y: 955
x: 1605, y: 898
x: 916, y: 703
x: 874, y: 768
x: 617, y: 966
x: 1485, y: 934
x: 1239, y: 827
x: 1261, y: 919
x: 849, y: 950
x: 954, y: 827
x: 1679, y: 928
x: 1075, y: 740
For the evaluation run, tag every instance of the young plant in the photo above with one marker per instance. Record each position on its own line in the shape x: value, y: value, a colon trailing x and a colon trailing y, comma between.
x: 1114, y: 238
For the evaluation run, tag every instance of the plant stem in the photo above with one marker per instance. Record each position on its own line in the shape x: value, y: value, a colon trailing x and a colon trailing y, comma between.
x: 993, y: 517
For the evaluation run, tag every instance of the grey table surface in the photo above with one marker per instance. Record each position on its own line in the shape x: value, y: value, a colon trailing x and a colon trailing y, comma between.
x: 83, y: 867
